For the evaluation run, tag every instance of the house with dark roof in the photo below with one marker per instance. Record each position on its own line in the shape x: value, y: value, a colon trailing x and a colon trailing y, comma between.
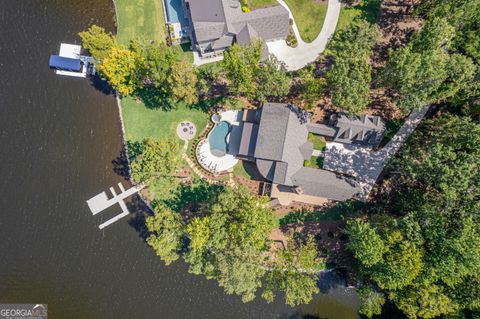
x: 217, y: 24
x: 275, y: 137
x: 364, y: 130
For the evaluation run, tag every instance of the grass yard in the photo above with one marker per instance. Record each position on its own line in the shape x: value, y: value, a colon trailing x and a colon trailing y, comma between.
x: 318, y: 141
x: 367, y: 9
x: 255, y: 4
x: 142, y: 122
x: 314, y: 161
x: 184, y: 51
x: 140, y: 18
x: 309, y: 16
x: 239, y: 170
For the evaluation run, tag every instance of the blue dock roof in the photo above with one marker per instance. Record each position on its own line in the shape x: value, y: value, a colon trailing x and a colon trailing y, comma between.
x: 67, y: 64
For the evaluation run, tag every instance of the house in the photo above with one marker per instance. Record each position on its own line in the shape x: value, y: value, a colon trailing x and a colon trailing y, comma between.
x: 217, y: 24
x: 275, y: 137
x: 364, y: 130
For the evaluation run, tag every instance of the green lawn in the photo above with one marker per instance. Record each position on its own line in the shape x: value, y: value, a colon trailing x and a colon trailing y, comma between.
x: 184, y: 51
x: 141, y: 121
x: 239, y: 170
x: 309, y: 16
x: 261, y: 3
x: 318, y: 141
x: 314, y: 161
x: 366, y: 9
x: 140, y: 18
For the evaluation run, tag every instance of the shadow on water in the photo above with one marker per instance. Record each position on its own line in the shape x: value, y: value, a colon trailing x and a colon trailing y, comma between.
x: 101, y: 85
x: 120, y: 165
x: 138, y: 212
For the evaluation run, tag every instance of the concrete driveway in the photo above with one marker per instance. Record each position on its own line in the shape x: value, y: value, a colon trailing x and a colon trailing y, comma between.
x: 365, y: 164
x: 305, y: 53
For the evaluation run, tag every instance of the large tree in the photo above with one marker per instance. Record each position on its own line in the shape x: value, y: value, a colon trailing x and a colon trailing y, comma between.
x: 356, y: 41
x: 183, y: 82
x: 241, y: 65
x: 310, y: 87
x: 156, y: 165
x: 166, y: 231
x: 294, y: 272
x: 425, y: 71
x: 158, y: 60
x: 229, y: 241
x: 365, y: 242
x: 97, y: 42
x: 272, y: 80
x: 372, y: 302
x: 349, y: 83
x: 121, y: 68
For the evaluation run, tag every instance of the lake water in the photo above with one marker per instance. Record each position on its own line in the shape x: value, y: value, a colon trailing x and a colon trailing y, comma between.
x: 59, y: 137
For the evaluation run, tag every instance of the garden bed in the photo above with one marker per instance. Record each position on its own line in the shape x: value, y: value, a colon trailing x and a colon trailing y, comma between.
x: 318, y: 141
x: 314, y: 162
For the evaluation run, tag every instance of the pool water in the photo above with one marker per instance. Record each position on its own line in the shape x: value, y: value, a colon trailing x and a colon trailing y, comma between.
x: 218, y: 138
x: 175, y: 12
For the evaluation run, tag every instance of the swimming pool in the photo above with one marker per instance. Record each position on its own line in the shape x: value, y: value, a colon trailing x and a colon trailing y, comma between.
x: 175, y: 12
x: 218, y: 139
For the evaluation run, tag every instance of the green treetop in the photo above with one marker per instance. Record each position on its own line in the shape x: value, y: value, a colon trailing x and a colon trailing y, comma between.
x: 166, y: 231
x: 97, y: 42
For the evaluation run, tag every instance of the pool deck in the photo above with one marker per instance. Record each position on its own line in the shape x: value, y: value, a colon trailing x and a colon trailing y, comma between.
x: 216, y: 164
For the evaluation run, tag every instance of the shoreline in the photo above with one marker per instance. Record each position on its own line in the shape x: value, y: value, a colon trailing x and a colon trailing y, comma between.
x: 125, y: 150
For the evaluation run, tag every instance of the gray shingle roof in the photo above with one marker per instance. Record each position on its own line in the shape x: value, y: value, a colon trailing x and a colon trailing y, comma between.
x: 213, y: 19
x: 366, y: 130
x: 321, y: 183
x: 270, y: 23
x: 282, y: 138
x: 246, y: 35
x: 248, y: 139
x: 321, y: 129
x: 282, y: 146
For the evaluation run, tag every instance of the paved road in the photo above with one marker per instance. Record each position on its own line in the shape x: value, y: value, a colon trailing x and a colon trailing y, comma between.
x: 305, y: 53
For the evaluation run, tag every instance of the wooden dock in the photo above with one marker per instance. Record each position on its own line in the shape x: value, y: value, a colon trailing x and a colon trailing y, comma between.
x: 100, y: 202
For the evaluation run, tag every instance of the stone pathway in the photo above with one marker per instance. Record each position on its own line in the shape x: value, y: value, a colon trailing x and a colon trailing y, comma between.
x: 305, y: 53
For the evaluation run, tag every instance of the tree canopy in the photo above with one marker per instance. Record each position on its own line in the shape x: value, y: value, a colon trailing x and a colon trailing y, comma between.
x: 294, y: 272
x: 121, y: 69
x: 349, y: 84
x: 426, y: 70
x: 311, y: 87
x: 248, y: 76
x: 431, y: 257
x: 166, y: 231
x: 227, y: 244
x: 97, y: 42
x: 156, y: 164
